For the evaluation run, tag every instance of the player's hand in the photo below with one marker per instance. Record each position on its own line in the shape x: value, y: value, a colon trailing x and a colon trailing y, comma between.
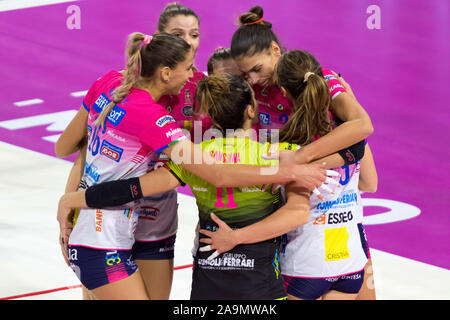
x: 222, y: 240
x: 63, y: 215
x: 310, y: 176
x: 315, y: 176
x: 64, y: 234
x: 65, y: 227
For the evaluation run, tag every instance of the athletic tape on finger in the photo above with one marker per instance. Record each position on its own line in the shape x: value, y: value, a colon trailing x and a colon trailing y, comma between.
x: 205, y: 248
x: 333, y: 173
x: 326, y: 188
x: 213, y: 256
x: 332, y: 181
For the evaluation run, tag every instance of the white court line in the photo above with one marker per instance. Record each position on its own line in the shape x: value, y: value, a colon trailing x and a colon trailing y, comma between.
x: 53, y: 138
x: 29, y: 102
x: 9, y: 5
x: 77, y: 94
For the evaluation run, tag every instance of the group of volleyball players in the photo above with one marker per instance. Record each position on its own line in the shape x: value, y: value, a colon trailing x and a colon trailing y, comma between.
x: 132, y: 133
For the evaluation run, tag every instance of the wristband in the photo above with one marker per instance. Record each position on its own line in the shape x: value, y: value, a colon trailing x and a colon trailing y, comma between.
x: 353, y: 154
x: 113, y: 193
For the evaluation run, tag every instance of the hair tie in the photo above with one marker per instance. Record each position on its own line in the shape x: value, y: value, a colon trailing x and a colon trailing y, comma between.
x: 217, y: 49
x: 254, y: 22
x: 307, y: 75
x: 147, y: 39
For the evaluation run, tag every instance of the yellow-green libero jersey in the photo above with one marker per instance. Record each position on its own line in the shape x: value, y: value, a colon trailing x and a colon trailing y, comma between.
x: 238, y: 207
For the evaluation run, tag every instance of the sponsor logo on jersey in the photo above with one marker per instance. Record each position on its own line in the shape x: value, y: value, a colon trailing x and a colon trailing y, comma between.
x: 111, y: 151
x: 334, y: 218
x: 228, y: 261
x: 263, y: 103
x: 161, y: 122
x: 264, y: 118
x: 91, y: 172
x: 148, y: 213
x: 98, y: 220
x: 115, y: 136
x: 200, y: 189
x: 187, y: 111
x: 283, y: 118
x: 321, y: 219
x: 101, y: 102
x: 172, y: 132
x: 345, y: 199
x: 341, y: 217
x: 280, y: 107
x: 117, y: 113
x: 336, y: 86
x: 187, y: 96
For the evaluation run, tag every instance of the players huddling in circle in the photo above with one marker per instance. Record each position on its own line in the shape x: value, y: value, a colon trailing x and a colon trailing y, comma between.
x: 272, y: 145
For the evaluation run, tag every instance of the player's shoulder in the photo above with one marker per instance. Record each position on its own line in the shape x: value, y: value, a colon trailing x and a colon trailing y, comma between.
x: 197, y: 76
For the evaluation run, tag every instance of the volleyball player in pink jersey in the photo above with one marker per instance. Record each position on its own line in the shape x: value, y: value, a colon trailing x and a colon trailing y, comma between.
x: 158, y: 222
x: 256, y: 50
x: 156, y: 232
x: 119, y: 110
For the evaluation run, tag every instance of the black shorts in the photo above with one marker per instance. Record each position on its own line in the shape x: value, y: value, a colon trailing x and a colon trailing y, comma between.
x: 154, y: 250
x: 247, y: 272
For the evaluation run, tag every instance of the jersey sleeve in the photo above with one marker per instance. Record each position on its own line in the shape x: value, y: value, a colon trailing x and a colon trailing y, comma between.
x: 96, y: 89
x: 177, y: 171
x: 91, y: 95
x: 159, y: 129
x: 336, y: 88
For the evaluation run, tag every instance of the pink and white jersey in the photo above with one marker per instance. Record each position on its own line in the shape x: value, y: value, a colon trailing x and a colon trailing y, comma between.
x: 181, y: 106
x: 135, y: 132
x: 158, y: 214
x: 275, y: 109
x: 329, y: 245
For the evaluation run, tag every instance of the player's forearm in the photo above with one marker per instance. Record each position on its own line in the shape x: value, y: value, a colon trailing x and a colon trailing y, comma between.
x: 224, y: 175
x: 76, y: 172
x: 280, y: 222
x: 347, y: 134
x: 74, y: 199
x: 192, y: 158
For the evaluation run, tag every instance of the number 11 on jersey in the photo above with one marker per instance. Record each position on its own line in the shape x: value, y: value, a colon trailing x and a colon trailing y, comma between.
x: 219, y: 203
